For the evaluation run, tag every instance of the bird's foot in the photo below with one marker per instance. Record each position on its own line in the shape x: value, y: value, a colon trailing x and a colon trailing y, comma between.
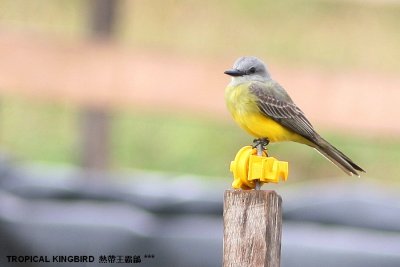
x: 258, y: 185
x: 261, y: 142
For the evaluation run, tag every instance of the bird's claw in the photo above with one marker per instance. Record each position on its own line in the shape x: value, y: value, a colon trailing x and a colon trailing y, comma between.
x: 263, y: 142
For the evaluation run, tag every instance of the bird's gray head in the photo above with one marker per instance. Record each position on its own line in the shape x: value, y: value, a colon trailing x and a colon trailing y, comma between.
x: 249, y: 69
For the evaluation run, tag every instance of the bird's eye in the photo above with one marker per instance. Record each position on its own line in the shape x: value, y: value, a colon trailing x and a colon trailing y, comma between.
x: 252, y: 70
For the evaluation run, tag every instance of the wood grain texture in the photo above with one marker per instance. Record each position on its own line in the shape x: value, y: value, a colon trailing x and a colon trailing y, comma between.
x: 252, y: 228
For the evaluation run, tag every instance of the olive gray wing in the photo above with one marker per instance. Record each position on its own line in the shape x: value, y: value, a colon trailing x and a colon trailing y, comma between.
x: 273, y: 101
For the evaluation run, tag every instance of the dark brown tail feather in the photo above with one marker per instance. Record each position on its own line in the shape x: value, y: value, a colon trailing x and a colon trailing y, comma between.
x: 337, y: 157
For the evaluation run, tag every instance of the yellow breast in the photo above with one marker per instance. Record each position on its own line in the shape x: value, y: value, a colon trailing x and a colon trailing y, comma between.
x: 243, y: 107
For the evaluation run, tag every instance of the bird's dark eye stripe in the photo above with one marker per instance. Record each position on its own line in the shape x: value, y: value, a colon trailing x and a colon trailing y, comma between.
x: 252, y: 70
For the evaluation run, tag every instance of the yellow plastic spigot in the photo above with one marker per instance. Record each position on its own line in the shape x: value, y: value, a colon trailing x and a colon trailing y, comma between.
x: 247, y: 168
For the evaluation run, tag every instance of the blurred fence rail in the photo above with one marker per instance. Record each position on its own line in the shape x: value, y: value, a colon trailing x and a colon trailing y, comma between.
x: 103, y: 73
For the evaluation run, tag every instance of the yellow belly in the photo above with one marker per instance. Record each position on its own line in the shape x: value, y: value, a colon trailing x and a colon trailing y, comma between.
x: 261, y: 126
x: 243, y: 107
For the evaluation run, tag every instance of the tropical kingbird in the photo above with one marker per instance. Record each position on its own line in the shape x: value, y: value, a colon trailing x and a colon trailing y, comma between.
x: 264, y: 109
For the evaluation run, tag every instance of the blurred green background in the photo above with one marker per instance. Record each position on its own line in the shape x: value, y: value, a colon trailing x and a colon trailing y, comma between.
x: 328, y: 35
x: 325, y: 33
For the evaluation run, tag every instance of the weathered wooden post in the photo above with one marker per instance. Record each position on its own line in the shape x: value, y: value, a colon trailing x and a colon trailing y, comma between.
x: 252, y: 228
x: 253, y: 218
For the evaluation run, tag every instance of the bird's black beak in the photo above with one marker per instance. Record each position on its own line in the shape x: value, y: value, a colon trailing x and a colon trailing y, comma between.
x: 234, y: 72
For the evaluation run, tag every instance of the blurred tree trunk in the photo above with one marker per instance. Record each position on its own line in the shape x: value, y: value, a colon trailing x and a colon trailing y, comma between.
x: 95, y: 121
x: 103, y: 18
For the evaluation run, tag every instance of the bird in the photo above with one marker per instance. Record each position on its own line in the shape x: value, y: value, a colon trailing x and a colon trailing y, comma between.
x: 263, y: 108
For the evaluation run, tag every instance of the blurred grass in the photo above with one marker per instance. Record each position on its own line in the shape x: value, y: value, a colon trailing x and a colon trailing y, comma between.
x: 65, y: 19
x: 325, y: 33
x: 38, y: 131
x: 41, y: 131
